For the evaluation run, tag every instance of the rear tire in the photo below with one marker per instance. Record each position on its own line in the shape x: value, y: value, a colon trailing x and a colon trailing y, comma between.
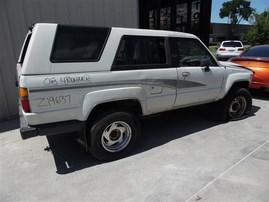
x: 113, y: 136
x: 236, y: 105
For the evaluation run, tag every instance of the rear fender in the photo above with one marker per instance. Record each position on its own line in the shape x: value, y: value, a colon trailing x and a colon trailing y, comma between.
x: 95, y: 98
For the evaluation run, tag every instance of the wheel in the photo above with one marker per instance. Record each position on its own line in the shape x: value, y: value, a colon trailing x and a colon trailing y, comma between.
x: 236, y: 105
x: 113, y: 136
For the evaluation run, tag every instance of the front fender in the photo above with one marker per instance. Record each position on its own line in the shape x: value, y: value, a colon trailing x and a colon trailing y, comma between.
x: 233, y: 79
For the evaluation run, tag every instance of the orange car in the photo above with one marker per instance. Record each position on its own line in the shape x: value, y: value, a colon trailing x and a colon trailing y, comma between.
x: 257, y: 59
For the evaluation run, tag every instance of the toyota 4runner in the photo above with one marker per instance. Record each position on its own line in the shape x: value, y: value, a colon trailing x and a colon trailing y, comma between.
x: 99, y: 81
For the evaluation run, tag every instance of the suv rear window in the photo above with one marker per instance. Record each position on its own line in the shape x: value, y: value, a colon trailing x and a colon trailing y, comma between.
x: 78, y: 44
x: 232, y: 44
x: 24, y: 49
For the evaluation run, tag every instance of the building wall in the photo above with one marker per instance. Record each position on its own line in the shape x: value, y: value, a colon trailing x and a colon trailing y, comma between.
x: 192, y: 16
x: 17, y: 15
x: 221, y: 31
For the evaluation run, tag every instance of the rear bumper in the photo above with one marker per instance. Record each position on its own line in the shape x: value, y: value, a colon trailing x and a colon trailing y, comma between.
x: 49, y: 129
x: 225, y: 56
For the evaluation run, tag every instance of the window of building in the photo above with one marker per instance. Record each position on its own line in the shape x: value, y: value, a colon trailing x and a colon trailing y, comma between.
x: 192, y: 16
x: 153, y: 19
x: 165, y: 18
x: 189, y: 52
x: 78, y: 44
x: 181, y: 17
x: 141, y: 50
x: 195, y: 17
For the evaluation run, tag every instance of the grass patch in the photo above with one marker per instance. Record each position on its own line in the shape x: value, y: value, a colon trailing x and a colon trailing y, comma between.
x: 213, y: 49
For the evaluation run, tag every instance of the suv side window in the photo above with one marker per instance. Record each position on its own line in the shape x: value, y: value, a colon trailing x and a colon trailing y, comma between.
x: 189, y: 52
x: 78, y: 44
x: 140, y: 52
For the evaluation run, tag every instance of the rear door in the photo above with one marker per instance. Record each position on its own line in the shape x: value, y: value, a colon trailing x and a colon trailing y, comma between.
x: 199, y: 76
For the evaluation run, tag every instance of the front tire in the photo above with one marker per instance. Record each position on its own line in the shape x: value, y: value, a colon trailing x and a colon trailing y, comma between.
x: 236, y: 105
x: 113, y: 136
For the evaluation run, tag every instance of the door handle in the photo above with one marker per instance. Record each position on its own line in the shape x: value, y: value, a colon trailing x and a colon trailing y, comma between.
x: 186, y: 74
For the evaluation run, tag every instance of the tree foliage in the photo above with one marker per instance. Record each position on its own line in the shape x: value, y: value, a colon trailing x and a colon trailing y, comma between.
x: 259, y: 32
x: 236, y: 10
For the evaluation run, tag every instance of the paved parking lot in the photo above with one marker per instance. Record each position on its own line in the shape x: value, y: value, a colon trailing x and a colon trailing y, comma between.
x: 182, y: 156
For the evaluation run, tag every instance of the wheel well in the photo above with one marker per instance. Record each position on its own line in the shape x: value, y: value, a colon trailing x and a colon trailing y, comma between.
x: 237, y: 85
x: 131, y: 105
x: 242, y: 84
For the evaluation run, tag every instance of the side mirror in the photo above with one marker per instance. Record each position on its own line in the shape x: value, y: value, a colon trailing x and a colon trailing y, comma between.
x: 205, y: 63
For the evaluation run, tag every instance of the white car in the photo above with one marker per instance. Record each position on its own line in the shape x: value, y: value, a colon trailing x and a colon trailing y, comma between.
x: 229, y: 49
x: 99, y: 81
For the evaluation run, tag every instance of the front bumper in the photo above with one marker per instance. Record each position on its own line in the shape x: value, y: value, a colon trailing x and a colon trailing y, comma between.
x: 50, y: 128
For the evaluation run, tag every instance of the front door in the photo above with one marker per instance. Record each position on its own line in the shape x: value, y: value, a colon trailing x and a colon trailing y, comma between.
x: 199, y: 76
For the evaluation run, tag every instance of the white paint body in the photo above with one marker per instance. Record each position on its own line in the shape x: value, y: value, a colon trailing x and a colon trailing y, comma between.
x: 69, y: 91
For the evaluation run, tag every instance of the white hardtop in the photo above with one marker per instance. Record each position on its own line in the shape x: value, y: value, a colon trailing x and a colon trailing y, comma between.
x: 37, y: 58
x: 150, y: 32
x: 129, y: 31
x: 132, y: 31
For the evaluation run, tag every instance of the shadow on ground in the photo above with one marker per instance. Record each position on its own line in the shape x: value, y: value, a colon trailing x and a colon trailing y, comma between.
x: 156, y: 130
x: 69, y: 155
x: 261, y: 95
x: 9, y: 125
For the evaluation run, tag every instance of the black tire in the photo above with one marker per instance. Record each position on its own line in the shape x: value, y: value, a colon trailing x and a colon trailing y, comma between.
x: 236, y: 105
x: 113, y: 136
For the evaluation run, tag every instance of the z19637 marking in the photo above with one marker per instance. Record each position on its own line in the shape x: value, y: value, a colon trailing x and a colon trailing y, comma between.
x: 53, y: 100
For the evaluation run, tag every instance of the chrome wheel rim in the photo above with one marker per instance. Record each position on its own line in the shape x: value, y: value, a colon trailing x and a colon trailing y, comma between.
x: 116, y: 136
x: 238, y: 107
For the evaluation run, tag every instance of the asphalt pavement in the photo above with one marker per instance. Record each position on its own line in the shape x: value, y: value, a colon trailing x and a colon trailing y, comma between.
x: 182, y: 156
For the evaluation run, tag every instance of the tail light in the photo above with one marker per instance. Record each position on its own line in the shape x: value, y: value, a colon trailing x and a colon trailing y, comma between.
x: 25, y: 100
x: 241, y: 49
x: 222, y: 49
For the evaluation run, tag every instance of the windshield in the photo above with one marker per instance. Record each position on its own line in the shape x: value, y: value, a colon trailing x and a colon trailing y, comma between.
x: 260, y: 51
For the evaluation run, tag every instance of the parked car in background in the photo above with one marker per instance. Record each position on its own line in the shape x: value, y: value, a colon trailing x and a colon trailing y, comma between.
x: 257, y: 59
x: 228, y: 49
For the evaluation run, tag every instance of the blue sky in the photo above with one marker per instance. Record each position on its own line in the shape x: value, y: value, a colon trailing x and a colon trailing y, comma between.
x: 259, y: 5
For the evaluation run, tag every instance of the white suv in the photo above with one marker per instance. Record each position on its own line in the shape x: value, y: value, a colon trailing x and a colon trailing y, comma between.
x: 99, y: 81
x: 229, y: 49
